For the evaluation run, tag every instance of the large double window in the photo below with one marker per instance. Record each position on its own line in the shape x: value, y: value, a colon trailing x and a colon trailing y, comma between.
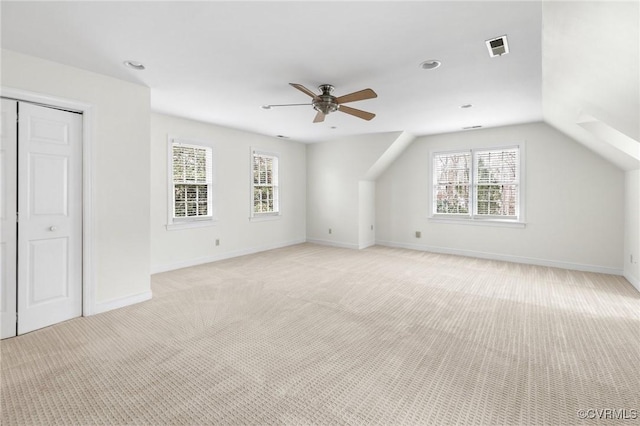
x: 265, y: 190
x: 191, y: 182
x: 477, y: 184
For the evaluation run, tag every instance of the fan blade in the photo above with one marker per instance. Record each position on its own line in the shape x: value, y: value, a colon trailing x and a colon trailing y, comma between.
x: 319, y: 117
x: 303, y: 89
x: 357, y: 96
x: 357, y: 112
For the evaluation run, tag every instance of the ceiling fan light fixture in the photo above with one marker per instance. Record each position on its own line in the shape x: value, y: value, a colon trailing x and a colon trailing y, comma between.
x: 430, y: 64
x: 325, y: 107
x: 325, y: 103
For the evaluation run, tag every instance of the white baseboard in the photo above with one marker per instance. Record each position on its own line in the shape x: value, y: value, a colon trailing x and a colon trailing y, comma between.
x: 121, y: 302
x: 156, y: 269
x: 633, y: 280
x: 333, y: 243
x: 505, y: 258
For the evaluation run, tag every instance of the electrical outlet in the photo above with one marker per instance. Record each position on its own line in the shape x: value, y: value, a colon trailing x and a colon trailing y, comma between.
x: 418, y: 234
x: 329, y: 230
x: 217, y: 242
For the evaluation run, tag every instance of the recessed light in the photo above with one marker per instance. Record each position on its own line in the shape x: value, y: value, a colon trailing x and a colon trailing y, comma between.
x: 134, y: 65
x: 471, y: 127
x: 282, y: 136
x: 266, y: 107
x: 465, y: 106
x: 334, y: 127
x: 431, y: 64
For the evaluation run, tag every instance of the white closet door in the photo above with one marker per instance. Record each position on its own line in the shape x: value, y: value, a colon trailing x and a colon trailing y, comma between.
x: 8, y: 209
x: 50, y: 222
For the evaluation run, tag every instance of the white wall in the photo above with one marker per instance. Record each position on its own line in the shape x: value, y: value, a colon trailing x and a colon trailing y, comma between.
x: 632, y: 228
x: 171, y: 249
x: 574, y: 203
x: 366, y: 213
x: 334, y: 170
x: 120, y: 166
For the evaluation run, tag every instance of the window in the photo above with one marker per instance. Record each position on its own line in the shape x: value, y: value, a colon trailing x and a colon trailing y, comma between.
x: 190, y: 182
x: 265, y: 200
x: 477, y: 184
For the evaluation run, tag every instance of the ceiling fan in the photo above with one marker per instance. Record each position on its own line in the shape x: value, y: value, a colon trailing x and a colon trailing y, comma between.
x: 325, y: 103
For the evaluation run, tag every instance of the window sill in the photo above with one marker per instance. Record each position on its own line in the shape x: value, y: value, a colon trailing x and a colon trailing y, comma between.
x: 202, y: 223
x: 265, y: 217
x: 479, y: 222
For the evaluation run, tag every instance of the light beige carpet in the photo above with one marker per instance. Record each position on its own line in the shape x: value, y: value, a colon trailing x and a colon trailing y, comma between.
x: 317, y: 335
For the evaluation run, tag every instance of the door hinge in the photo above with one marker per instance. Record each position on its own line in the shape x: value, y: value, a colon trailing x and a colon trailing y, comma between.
x: 17, y: 217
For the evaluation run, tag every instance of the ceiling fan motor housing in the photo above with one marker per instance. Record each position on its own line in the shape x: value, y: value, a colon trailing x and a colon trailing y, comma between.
x: 325, y: 103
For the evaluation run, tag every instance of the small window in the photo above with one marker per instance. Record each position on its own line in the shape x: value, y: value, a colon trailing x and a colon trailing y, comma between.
x: 191, y: 182
x: 477, y: 184
x: 452, y: 178
x: 496, y: 182
x: 265, y: 190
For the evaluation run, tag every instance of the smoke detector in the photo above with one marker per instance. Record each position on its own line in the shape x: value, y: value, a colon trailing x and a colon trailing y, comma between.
x: 497, y: 46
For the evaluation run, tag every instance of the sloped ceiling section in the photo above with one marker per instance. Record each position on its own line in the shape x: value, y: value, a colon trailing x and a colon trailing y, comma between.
x: 591, y: 75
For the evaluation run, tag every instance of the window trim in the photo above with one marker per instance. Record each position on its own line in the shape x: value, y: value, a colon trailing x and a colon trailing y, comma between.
x: 472, y: 218
x: 264, y: 216
x: 189, y: 222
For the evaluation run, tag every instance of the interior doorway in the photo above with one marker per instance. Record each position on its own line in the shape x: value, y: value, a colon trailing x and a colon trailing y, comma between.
x: 42, y: 216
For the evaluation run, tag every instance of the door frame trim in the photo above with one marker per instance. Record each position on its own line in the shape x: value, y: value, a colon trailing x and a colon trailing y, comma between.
x: 88, y: 265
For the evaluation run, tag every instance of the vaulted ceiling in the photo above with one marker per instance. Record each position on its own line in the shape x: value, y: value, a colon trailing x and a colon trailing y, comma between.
x: 220, y: 62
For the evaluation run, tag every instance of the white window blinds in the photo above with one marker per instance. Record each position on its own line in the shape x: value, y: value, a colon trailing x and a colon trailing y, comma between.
x: 478, y: 183
x: 265, y: 183
x: 192, y: 178
x: 497, y: 180
x: 451, y: 179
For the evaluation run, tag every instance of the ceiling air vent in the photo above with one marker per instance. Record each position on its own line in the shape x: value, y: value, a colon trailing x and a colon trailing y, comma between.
x: 498, y: 46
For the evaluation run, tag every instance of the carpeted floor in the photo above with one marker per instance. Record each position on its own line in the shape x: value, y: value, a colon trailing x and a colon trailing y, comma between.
x: 318, y: 335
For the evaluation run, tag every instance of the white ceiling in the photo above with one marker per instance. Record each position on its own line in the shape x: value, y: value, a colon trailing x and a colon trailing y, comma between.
x: 219, y: 62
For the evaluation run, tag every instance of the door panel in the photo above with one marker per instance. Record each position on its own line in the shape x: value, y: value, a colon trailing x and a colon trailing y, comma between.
x: 48, y: 130
x: 49, y: 184
x: 50, y: 225
x: 8, y: 209
x: 48, y: 274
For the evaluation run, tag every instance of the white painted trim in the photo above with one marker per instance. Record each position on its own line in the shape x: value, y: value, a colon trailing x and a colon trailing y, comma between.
x: 333, y: 243
x: 88, y: 183
x: 185, y: 223
x: 156, y: 269
x: 505, y: 258
x: 121, y: 302
x: 365, y: 245
x: 197, y: 223
x: 259, y: 217
x: 635, y: 282
x: 473, y: 219
x: 264, y: 217
x: 477, y: 222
